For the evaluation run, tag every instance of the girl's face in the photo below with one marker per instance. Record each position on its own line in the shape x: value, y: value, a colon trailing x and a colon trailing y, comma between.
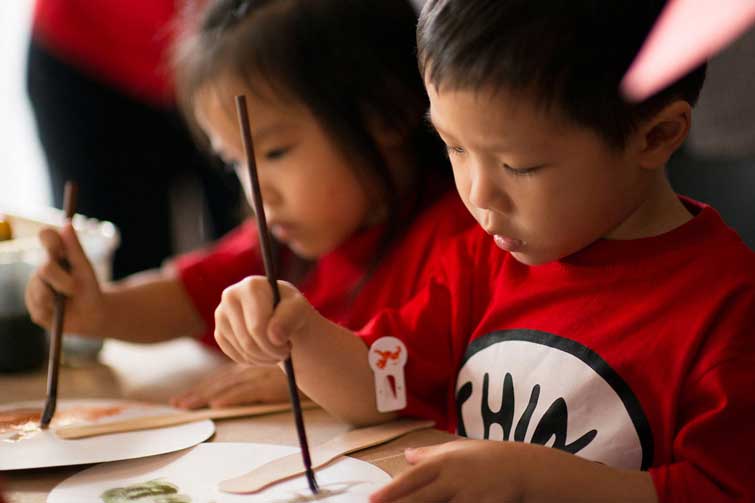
x: 313, y: 199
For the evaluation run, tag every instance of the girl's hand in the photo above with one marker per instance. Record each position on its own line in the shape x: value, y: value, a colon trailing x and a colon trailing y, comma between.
x: 477, y: 471
x: 84, y: 299
x: 250, y: 331
x: 235, y: 384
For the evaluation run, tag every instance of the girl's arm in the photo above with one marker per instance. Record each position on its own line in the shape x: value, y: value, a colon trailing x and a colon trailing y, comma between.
x: 147, y: 307
x: 151, y: 306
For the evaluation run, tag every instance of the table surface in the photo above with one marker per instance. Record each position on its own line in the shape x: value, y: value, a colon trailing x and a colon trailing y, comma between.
x: 138, y: 372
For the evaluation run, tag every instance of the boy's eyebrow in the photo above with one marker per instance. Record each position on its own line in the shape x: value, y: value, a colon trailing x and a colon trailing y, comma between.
x: 431, y: 122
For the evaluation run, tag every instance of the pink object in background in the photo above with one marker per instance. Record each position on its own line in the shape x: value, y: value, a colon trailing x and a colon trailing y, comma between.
x: 687, y: 33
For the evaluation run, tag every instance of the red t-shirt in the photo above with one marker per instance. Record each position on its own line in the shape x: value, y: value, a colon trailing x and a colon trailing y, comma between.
x: 638, y: 354
x: 125, y: 43
x: 330, y: 286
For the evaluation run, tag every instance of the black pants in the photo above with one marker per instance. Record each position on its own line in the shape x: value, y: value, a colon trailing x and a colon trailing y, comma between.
x: 125, y: 155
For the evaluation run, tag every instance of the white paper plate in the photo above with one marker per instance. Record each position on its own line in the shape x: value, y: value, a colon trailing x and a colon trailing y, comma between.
x: 195, y: 474
x: 44, y: 449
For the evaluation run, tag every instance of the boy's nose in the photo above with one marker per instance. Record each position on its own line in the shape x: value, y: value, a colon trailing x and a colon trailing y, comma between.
x: 483, y: 191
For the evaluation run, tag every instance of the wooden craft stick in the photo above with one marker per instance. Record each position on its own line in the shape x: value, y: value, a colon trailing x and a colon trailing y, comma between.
x: 151, y: 422
x: 290, y: 466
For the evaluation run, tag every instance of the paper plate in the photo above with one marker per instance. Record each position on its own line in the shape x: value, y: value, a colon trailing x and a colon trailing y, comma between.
x: 25, y: 447
x: 192, y: 476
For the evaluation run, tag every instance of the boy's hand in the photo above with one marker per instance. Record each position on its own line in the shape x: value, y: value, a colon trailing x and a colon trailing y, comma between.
x: 477, y: 471
x: 84, y: 299
x: 250, y: 331
x: 235, y: 384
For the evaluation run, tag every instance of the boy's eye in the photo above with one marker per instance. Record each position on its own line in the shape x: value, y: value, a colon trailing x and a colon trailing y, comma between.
x: 276, y: 153
x: 452, y: 150
x: 521, y: 171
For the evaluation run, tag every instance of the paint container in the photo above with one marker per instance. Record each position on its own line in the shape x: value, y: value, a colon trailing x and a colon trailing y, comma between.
x: 23, y: 345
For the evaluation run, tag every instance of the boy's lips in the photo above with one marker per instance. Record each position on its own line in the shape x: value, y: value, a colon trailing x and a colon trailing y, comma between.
x: 508, y: 244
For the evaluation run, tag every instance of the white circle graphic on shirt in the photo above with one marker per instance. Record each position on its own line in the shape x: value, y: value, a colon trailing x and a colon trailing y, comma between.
x: 531, y: 386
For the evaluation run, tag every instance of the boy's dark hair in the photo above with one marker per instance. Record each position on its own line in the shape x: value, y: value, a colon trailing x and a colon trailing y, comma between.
x: 346, y: 60
x: 569, y: 55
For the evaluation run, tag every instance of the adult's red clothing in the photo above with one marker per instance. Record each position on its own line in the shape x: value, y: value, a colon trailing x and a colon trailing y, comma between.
x: 638, y: 354
x: 333, y: 286
x: 122, y: 42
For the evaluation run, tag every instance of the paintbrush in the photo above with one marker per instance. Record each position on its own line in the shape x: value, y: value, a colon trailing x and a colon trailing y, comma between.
x: 56, y: 336
x: 267, y: 257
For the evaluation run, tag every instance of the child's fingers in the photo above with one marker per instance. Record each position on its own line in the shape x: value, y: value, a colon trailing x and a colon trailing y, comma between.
x: 288, y: 319
x: 52, y: 243
x: 420, y: 454
x: 245, y: 340
x: 39, y: 302
x: 408, y: 485
x: 252, y: 298
x: 57, y: 278
x: 75, y: 253
x: 225, y: 338
x: 38, y: 295
x: 258, y: 330
x: 242, y: 394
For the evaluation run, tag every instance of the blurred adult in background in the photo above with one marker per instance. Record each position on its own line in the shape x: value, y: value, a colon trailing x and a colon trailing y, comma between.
x: 101, y: 91
x: 717, y: 164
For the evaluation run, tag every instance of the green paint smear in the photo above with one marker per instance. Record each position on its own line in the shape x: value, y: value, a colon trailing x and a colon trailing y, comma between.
x: 154, y: 491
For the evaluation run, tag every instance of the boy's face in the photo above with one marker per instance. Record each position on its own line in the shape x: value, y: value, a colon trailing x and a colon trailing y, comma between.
x: 543, y: 188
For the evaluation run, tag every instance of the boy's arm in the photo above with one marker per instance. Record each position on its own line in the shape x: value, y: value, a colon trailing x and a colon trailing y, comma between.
x: 332, y: 368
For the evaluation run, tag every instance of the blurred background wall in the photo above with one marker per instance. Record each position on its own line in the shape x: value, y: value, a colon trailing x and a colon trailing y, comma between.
x: 23, y: 177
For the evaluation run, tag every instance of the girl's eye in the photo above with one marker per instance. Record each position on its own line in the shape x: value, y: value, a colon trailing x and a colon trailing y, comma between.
x: 276, y: 153
x: 521, y: 171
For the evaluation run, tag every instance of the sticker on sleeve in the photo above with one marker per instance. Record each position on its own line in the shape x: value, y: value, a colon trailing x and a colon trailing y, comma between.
x: 387, y: 359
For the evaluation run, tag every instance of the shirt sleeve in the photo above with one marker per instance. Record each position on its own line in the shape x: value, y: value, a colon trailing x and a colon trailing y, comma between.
x: 434, y: 325
x: 206, y: 273
x: 422, y: 325
x: 714, y: 443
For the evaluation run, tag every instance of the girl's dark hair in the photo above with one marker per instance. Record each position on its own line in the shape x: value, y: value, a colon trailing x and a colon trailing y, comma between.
x: 349, y: 61
x: 567, y: 54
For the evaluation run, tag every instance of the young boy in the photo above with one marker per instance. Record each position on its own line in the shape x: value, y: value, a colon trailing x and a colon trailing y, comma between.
x: 594, y: 310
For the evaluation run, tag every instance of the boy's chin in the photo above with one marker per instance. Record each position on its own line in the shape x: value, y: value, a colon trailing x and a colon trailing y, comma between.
x: 528, y: 258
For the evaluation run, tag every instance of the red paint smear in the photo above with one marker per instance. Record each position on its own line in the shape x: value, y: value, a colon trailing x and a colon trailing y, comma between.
x: 25, y: 422
x: 387, y: 355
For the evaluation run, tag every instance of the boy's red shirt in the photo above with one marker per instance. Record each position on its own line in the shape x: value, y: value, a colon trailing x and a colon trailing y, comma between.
x: 333, y: 287
x: 638, y: 354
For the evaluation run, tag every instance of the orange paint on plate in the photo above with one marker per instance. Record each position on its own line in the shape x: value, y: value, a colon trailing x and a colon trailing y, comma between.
x: 24, y: 423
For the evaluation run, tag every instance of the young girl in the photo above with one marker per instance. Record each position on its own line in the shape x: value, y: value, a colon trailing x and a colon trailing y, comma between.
x: 355, y: 189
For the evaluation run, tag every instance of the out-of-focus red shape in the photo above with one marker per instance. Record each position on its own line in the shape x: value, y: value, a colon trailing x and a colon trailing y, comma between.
x: 687, y: 33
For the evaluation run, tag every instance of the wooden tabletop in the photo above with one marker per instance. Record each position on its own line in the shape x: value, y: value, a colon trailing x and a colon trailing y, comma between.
x: 141, y: 373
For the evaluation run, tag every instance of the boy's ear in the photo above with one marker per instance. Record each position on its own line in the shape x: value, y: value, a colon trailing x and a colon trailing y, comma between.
x: 663, y: 134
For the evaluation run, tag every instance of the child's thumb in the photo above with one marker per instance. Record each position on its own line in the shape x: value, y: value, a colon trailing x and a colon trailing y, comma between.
x: 288, y: 319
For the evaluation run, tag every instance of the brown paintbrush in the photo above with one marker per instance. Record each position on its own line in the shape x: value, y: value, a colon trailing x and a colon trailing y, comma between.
x: 267, y: 257
x: 56, y: 335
